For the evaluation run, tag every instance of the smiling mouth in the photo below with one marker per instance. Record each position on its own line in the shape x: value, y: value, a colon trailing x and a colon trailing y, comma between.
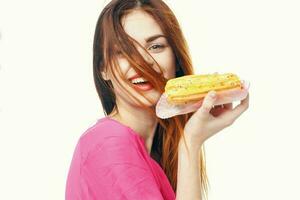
x: 144, y: 86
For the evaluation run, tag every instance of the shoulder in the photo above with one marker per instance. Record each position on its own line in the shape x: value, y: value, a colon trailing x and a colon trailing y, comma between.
x: 116, y: 167
x: 113, y: 163
x: 105, y: 135
x: 102, y: 129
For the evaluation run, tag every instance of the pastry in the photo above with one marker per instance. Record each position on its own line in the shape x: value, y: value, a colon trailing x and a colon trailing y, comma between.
x: 185, y: 89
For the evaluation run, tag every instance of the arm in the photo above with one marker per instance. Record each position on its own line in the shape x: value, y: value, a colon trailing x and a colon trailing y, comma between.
x: 201, y: 126
x: 188, y: 175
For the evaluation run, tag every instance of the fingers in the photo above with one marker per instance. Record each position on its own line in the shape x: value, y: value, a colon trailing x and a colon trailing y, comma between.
x: 230, y: 117
x: 208, y: 103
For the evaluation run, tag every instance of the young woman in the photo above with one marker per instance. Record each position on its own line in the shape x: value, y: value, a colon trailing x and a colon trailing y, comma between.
x: 130, y: 153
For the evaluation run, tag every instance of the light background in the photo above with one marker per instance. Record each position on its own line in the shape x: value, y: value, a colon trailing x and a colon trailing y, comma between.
x: 48, y: 98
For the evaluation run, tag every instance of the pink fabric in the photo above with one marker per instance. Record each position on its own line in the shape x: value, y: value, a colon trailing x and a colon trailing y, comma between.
x: 110, y: 162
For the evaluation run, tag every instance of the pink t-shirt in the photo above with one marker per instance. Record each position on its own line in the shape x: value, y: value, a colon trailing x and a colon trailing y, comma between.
x: 110, y: 162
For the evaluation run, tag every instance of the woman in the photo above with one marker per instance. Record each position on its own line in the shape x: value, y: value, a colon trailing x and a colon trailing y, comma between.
x: 130, y: 153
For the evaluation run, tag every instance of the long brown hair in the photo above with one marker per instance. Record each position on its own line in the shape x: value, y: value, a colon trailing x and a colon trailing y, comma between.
x: 111, y: 39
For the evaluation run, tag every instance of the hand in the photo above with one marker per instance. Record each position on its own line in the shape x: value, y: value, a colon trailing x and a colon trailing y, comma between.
x: 210, y: 119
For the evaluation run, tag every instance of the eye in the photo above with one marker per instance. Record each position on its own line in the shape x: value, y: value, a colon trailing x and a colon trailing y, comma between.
x: 156, y: 47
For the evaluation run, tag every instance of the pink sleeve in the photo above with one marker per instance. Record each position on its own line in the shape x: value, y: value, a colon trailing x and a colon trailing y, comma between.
x: 117, y: 170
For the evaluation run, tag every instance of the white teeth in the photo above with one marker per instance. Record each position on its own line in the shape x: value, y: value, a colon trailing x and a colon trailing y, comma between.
x: 138, y: 80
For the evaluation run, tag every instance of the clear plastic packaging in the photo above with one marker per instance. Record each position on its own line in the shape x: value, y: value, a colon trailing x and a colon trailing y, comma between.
x: 166, y: 110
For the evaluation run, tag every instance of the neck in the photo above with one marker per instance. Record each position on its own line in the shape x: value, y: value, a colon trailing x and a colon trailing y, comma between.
x: 142, y: 123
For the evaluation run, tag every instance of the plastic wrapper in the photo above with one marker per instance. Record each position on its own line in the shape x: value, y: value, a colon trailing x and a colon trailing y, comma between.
x: 165, y: 110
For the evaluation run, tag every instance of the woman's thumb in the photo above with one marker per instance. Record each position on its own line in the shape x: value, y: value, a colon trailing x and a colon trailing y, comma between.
x: 208, y: 103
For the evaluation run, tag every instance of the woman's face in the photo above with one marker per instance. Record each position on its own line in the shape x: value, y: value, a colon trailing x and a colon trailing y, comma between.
x: 145, y: 30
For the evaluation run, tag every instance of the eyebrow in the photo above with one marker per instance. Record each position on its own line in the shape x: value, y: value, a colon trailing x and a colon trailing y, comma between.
x: 154, y: 37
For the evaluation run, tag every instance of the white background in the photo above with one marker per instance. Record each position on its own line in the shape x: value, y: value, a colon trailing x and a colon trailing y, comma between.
x: 48, y: 98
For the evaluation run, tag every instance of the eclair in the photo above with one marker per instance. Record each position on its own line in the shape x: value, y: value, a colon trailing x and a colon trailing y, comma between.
x: 189, y: 88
